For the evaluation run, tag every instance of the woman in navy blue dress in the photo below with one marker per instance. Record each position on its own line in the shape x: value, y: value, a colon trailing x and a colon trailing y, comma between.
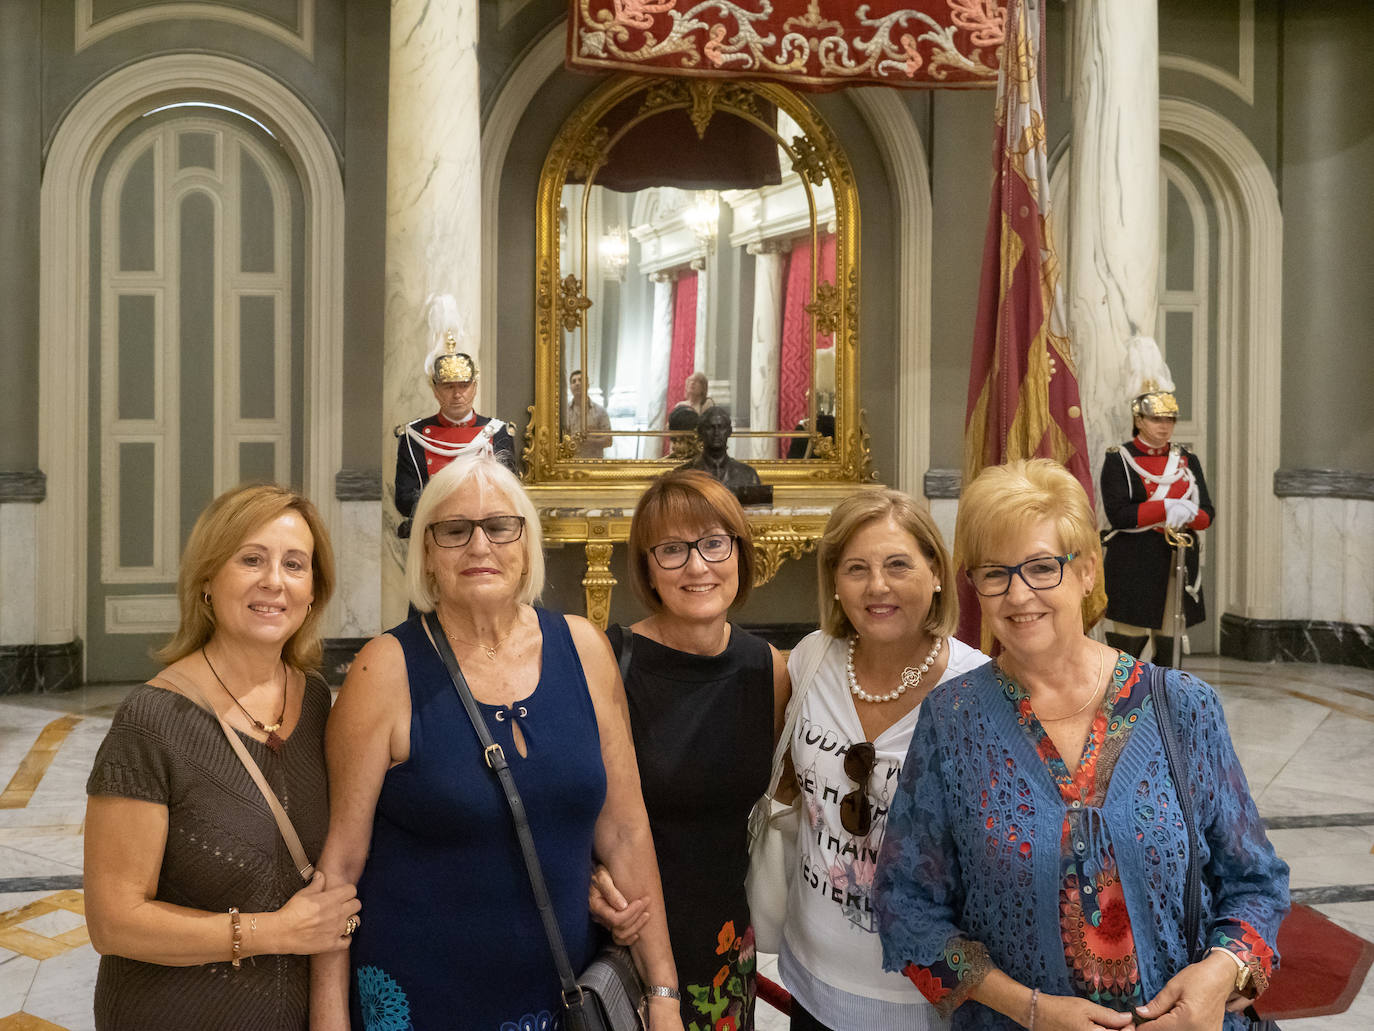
x: 452, y: 936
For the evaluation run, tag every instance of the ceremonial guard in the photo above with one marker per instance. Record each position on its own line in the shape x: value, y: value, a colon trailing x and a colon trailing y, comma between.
x: 427, y: 445
x: 1156, y: 501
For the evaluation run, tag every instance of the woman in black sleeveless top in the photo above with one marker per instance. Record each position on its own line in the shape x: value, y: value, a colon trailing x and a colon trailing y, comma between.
x: 706, y: 701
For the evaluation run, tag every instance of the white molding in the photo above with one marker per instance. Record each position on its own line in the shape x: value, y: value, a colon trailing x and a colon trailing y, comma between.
x: 522, y: 85
x: 1249, y: 343
x: 1242, y: 84
x: 1250, y: 351
x: 899, y: 141
x: 89, y: 31
x: 64, y: 302
x: 141, y: 614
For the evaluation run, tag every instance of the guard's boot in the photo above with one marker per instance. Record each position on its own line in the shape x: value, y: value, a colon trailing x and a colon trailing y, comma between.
x: 1128, y: 644
x: 1164, y: 651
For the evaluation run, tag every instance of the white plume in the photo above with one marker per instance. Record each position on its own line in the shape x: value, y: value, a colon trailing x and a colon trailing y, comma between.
x: 1144, y: 364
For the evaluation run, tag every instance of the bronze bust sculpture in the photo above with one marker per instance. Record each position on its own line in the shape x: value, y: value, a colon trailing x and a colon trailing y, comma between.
x: 714, y: 429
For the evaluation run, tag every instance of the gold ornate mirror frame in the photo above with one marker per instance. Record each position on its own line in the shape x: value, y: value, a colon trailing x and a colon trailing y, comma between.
x: 581, y: 149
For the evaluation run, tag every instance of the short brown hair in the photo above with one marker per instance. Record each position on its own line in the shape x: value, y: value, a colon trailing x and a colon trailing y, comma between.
x: 1006, y: 499
x: 854, y: 513
x: 221, y: 528
x: 688, y: 500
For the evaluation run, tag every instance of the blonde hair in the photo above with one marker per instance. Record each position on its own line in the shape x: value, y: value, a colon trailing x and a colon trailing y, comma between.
x: 854, y: 513
x: 488, y: 472
x: 1004, y: 500
x: 688, y: 500
x: 219, y: 532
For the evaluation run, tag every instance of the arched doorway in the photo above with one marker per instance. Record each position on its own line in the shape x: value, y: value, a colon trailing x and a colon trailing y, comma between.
x: 69, y: 305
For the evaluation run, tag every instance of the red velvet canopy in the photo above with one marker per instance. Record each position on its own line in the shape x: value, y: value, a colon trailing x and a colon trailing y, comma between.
x: 808, y: 44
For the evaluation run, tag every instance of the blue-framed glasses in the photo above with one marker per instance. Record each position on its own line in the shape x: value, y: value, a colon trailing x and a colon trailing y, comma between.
x: 1039, y: 574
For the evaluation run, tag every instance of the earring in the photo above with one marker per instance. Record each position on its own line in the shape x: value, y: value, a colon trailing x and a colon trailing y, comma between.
x: 837, y: 595
x: 206, y: 596
x: 309, y: 608
x: 938, y: 588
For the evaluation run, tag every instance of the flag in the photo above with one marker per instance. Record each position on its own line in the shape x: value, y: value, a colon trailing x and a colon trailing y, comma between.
x: 1023, y: 384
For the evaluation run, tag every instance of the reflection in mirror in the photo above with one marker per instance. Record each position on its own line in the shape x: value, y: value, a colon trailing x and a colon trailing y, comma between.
x: 698, y: 296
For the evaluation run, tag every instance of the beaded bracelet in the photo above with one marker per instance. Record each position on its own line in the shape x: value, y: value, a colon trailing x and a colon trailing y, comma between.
x: 235, y: 936
x: 1035, y: 994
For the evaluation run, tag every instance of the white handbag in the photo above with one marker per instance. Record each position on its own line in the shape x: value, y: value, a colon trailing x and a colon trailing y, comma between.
x: 773, y: 829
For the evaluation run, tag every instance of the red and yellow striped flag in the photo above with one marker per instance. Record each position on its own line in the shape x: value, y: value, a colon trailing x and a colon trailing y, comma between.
x: 1023, y: 385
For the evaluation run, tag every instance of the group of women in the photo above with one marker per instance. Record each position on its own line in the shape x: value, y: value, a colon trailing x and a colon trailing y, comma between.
x: 983, y: 844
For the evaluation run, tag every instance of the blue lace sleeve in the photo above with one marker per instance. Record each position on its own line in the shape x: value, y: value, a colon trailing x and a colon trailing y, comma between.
x: 1250, y: 882
x: 918, y: 887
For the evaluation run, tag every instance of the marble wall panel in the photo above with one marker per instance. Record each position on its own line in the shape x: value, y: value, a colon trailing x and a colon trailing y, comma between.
x: 357, y: 601
x: 1326, y: 543
x: 1359, y: 562
x: 17, y: 531
x: 1295, y: 519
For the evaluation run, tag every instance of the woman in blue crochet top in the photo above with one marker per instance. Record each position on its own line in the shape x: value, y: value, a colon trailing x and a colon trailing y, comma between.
x: 1035, y: 859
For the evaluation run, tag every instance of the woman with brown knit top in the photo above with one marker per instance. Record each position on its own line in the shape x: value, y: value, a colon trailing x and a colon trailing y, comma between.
x: 193, y: 900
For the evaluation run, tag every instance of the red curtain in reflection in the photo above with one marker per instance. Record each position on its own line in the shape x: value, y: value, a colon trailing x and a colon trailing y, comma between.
x: 682, y: 357
x: 794, y: 358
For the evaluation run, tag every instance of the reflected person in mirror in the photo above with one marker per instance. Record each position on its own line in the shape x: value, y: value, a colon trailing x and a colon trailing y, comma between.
x: 714, y: 431
x: 593, y: 444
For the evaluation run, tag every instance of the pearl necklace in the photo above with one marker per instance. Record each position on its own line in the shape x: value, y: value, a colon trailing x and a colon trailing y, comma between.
x: 911, y: 677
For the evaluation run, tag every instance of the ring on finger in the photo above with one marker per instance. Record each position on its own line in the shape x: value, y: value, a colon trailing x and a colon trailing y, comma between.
x: 350, y: 925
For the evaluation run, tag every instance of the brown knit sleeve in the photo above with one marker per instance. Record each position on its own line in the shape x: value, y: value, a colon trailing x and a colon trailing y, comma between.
x: 137, y: 756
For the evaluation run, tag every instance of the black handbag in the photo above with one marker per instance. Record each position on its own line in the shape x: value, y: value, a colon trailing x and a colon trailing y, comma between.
x: 1192, y: 888
x: 609, y: 995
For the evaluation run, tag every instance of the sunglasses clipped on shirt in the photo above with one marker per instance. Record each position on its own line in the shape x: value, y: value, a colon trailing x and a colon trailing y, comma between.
x: 454, y: 533
x: 856, y: 810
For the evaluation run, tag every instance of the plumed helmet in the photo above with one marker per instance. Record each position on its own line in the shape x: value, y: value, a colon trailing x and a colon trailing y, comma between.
x: 445, y: 363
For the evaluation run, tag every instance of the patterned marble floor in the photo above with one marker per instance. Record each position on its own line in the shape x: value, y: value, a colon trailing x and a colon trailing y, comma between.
x: 1305, y: 734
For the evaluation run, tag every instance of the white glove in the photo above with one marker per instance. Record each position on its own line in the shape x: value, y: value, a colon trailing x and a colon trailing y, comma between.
x: 1179, y: 512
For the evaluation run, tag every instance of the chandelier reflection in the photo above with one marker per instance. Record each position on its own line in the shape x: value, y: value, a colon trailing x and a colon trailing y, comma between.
x: 704, y: 217
x: 615, y: 253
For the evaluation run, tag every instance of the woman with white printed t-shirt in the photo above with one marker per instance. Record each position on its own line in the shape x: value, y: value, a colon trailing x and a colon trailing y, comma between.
x: 886, y: 617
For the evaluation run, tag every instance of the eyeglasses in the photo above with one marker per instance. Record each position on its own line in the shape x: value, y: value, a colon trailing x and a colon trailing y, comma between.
x: 714, y: 547
x: 856, y: 811
x: 500, y: 529
x: 1039, y: 574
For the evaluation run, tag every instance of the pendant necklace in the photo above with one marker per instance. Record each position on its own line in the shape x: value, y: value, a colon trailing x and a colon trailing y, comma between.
x: 1101, y: 663
x: 491, y: 651
x: 270, y: 729
x: 911, y: 676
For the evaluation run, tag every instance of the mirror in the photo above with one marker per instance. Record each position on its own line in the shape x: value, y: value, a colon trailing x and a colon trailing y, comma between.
x: 697, y: 247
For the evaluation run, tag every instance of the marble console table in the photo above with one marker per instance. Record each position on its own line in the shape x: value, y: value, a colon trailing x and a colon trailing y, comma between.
x: 598, y: 518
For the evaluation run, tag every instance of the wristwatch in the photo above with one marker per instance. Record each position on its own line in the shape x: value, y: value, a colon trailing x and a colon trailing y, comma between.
x: 1243, y: 984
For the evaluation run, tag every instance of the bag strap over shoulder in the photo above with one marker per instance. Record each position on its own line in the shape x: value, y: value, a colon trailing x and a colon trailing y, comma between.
x: 1173, y: 753
x: 794, y: 708
x: 496, y: 762
x: 192, y: 691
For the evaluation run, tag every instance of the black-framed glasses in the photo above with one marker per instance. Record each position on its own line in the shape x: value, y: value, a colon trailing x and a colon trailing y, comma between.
x: 856, y: 811
x: 714, y: 547
x: 1039, y: 574
x: 500, y: 529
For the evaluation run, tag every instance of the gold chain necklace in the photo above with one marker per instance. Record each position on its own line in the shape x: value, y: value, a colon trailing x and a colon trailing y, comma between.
x: 1097, y: 681
x: 491, y: 651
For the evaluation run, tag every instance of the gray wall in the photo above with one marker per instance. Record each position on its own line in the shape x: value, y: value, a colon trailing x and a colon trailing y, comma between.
x: 1327, y: 186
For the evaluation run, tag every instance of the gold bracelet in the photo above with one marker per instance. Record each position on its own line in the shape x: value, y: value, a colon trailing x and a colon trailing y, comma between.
x: 235, y: 936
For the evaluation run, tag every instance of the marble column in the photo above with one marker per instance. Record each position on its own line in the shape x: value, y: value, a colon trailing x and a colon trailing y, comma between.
x: 1114, y: 193
x: 653, y: 397
x: 765, y: 345
x: 433, y: 234
x: 700, y: 358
